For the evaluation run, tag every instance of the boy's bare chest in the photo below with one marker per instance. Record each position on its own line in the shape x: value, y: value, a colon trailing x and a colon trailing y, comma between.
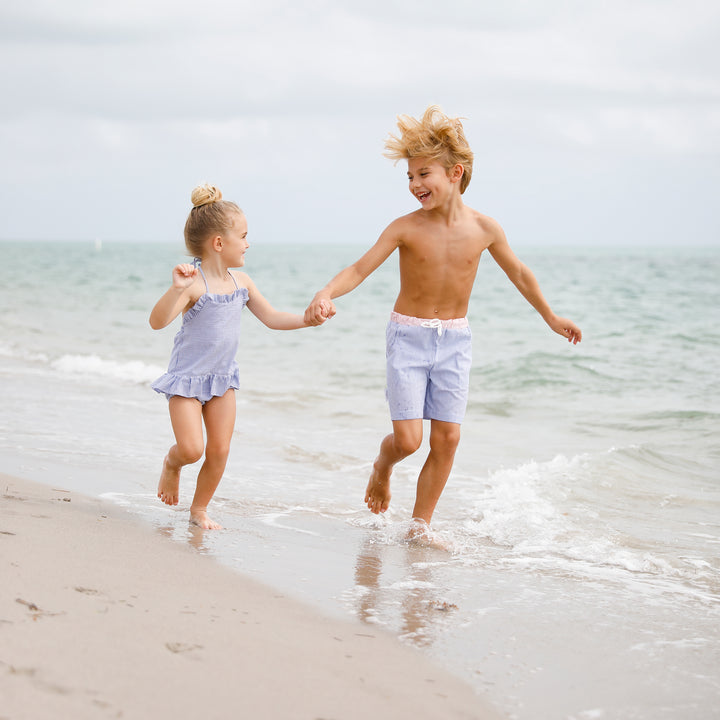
x: 456, y: 248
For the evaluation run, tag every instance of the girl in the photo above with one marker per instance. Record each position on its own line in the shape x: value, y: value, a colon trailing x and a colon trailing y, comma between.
x: 203, y: 375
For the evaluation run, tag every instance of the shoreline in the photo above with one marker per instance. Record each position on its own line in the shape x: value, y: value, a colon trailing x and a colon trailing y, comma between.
x: 102, y: 617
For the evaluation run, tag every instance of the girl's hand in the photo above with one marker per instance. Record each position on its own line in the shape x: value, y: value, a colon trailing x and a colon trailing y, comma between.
x: 183, y: 275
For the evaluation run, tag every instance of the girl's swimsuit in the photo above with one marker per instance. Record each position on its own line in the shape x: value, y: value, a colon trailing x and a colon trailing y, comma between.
x: 202, y: 363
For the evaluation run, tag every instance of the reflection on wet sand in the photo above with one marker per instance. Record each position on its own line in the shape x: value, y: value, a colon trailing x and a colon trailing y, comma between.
x: 415, y: 595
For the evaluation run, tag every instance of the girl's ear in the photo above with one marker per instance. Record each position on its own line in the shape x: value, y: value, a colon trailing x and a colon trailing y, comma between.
x: 217, y: 243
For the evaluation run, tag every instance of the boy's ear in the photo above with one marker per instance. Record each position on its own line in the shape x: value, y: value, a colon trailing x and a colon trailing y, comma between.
x: 456, y: 172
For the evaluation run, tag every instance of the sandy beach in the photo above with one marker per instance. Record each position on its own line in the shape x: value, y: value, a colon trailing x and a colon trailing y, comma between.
x: 101, y: 617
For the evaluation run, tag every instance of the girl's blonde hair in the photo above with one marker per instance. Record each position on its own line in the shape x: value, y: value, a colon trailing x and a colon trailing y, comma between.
x: 210, y: 215
x: 435, y: 137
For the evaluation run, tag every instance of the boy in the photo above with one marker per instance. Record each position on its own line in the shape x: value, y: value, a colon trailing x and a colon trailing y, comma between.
x: 428, y: 337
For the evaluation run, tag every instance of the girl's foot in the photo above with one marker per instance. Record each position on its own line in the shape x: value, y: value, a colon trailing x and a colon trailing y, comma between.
x: 202, y: 520
x: 169, y: 485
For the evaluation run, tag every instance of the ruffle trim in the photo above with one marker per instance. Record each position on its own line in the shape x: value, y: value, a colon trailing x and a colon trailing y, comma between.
x: 219, y: 299
x: 201, y: 387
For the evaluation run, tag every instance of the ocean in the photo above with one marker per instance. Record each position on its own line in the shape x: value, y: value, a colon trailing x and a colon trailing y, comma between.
x: 582, y: 517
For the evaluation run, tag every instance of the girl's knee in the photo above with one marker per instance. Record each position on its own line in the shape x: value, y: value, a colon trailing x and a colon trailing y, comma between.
x: 217, y: 454
x: 190, y: 452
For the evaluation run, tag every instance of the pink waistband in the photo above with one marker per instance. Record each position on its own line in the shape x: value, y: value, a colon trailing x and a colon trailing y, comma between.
x: 431, y: 323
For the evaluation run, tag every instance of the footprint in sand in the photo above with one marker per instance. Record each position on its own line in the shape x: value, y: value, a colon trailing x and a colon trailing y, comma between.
x: 179, y: 647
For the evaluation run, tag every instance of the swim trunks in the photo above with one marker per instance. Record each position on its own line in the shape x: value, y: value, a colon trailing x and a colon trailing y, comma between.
x: 202, y: 364
x: 428, y: 368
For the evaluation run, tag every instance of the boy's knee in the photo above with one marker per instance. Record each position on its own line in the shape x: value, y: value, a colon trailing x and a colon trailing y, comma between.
x: 407, y: 443
x: 445, y: 439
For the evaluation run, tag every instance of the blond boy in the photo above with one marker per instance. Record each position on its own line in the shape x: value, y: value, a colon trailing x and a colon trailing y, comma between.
x: 428, y: 337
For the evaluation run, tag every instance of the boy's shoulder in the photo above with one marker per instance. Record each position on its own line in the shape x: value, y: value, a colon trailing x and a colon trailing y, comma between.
x: 418, y: 219
x: 489, y: 230
x: 484, y: 222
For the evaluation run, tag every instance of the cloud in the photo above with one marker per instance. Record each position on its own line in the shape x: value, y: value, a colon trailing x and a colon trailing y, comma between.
x: 296, y: 100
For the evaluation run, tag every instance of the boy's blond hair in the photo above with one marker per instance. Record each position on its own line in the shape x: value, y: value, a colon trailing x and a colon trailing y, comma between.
x: 435, y: 137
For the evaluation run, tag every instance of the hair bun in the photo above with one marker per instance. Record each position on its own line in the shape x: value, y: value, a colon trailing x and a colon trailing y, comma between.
x: 205, y: 195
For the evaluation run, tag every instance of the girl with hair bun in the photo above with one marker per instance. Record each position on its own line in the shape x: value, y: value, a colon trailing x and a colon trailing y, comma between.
x: 203, y: 374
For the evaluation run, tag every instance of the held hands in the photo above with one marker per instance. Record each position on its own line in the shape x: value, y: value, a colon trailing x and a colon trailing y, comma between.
x: 319, y: 310
x: 184, y: 275
x: 567, y: 329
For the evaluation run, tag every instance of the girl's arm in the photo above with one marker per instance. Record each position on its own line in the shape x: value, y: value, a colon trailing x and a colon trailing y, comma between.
x: 176, y: 299
x: 267, y: 314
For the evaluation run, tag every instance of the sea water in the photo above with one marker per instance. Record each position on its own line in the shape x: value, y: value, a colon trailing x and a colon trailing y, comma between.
x: 582, y: 516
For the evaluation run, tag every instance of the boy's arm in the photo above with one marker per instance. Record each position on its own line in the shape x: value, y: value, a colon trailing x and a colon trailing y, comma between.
x: 522, y: 277
x: 322, y: 306
x: 261, y: 308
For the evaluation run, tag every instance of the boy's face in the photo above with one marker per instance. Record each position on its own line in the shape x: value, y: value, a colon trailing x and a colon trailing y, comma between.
x: 429, y: 182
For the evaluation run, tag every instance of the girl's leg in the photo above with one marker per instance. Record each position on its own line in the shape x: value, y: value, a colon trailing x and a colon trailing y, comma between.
x: 186, y: 419
x: 219, y: 416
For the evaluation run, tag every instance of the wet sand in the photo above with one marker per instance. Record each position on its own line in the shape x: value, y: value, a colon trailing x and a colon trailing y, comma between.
x: 100, y: 617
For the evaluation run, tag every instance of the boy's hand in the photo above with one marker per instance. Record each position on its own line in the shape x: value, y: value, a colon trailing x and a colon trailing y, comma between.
x: 566, y: 328
x: 319, y: 310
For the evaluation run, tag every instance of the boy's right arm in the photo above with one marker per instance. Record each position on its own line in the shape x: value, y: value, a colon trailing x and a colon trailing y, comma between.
x: 171, y: 304
x: 322, y: 306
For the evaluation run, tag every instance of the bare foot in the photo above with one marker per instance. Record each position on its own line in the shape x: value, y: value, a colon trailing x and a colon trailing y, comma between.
x: 169, y: 485
x: 421, y: 534
x: 202, y: 520
x: 377, y: 495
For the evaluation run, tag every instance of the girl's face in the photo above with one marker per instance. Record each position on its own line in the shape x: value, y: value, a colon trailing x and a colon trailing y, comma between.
x: 235, y: 242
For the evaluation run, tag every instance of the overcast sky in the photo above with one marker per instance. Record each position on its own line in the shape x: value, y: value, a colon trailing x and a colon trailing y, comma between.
x: 592, y: 122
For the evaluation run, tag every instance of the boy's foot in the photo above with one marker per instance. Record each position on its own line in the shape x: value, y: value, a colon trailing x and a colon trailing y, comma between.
x: 202, y: 520
x: 377, y: 495
x: 421, y: 534
x: 169, y: 485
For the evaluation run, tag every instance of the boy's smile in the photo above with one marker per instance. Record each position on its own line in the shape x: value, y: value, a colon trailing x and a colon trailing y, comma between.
x: 428, y: 180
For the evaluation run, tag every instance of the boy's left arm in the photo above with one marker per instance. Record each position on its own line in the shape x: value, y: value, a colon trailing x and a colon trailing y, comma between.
x: 522, y: 277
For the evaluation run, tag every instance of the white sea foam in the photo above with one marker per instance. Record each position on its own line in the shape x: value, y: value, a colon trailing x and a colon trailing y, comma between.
x: 134, y: 371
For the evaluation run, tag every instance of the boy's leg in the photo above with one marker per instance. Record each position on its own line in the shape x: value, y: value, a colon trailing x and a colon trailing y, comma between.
x: 186, y: 420
x: 219, y: 416
x: 404, y: 440
x: 444, y: 439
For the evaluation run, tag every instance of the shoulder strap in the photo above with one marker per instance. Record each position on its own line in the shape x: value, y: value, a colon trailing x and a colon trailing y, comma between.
x: 197, y: 265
